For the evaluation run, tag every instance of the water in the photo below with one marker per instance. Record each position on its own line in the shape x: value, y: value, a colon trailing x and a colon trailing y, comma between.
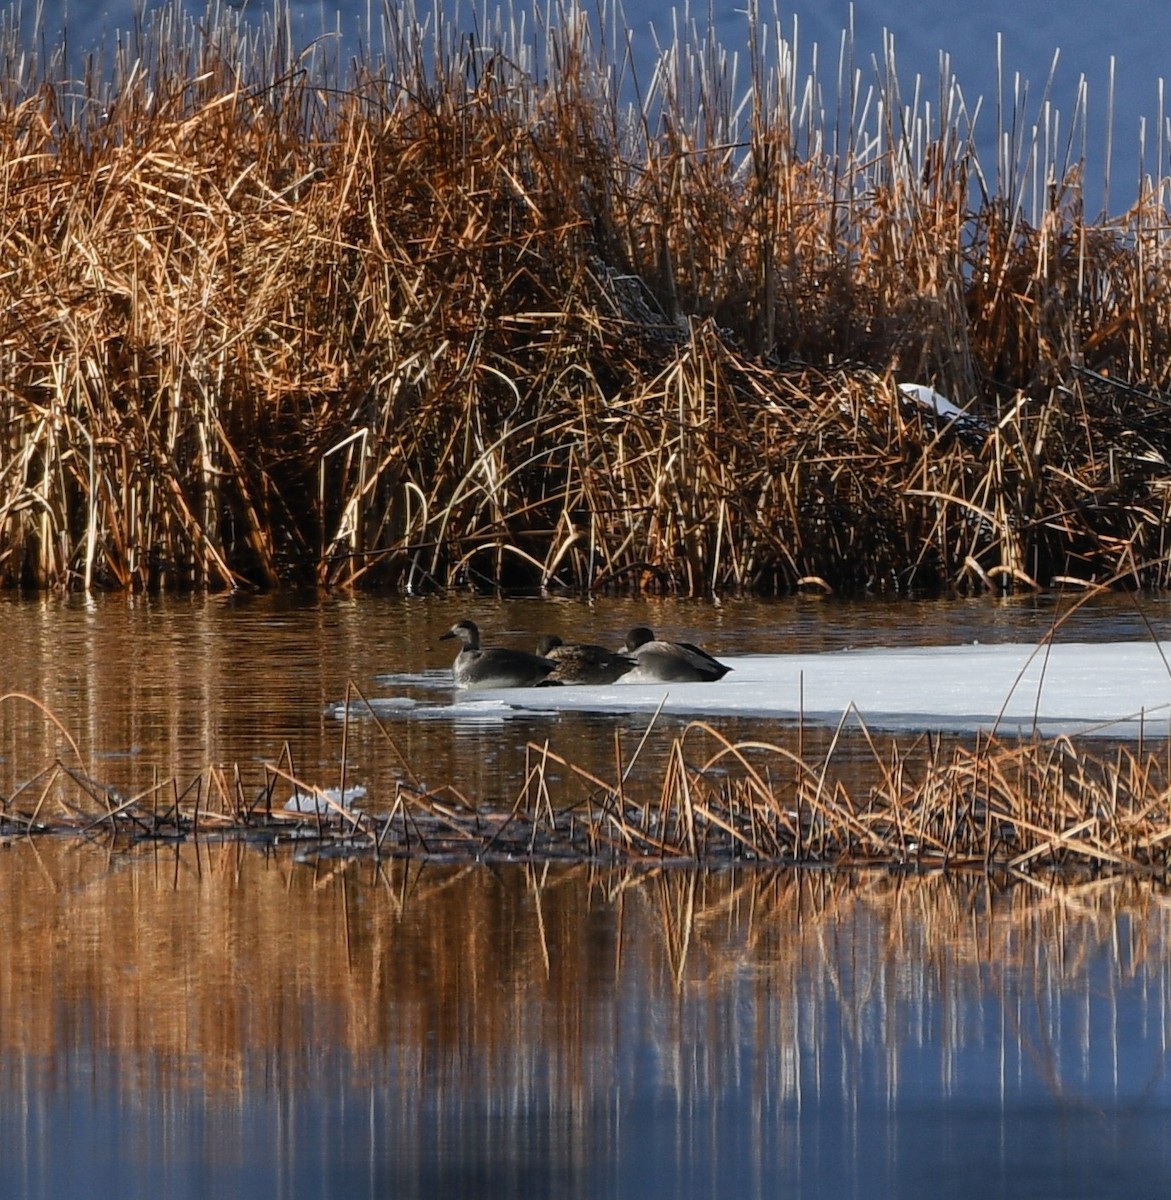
x: 204, y: 1019
x: 155, y: 690
x: 217, y: 1021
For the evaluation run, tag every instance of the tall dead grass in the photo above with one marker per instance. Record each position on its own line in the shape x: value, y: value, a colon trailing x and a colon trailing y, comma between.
x: 1002, y: 804
x: 474, y: 319
x: 1021, y: 808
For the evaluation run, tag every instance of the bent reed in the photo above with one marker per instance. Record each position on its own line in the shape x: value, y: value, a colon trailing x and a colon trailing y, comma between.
x: 497, y: 313
x: 1024, y: 808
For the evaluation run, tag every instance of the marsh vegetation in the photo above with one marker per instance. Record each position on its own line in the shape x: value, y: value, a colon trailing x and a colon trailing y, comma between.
x: 1006, y: 806
x: 494, y: 311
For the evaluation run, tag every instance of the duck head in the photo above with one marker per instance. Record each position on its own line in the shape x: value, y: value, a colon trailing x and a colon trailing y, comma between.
x: 466, y: 631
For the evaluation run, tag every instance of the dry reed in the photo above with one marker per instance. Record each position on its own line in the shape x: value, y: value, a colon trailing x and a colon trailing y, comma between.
x: 1000, y: 805
x: 473, y: 319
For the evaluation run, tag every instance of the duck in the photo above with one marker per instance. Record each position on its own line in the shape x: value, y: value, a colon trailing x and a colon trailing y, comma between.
x: 494, y: 668
x: 582, y: 662
x: 668, y: 662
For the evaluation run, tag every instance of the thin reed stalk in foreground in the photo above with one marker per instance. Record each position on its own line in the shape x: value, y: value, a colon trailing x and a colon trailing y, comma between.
x: 1001, y: 805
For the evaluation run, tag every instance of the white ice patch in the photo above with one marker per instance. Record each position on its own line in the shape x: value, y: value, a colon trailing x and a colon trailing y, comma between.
x: 326, y: 802
x: 1114, y: 689
x: 930, y: 399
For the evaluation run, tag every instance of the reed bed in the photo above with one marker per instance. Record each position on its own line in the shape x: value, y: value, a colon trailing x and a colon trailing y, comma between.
x: 1000, y: 805
x: 474, y: 316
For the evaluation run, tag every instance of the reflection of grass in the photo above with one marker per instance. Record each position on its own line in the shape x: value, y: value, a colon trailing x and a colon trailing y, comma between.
x: 998, y: 805
x: 208, y: 967
x: 469, y: 319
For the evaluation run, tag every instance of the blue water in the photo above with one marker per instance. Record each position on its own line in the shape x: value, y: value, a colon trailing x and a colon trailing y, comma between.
x: 220, y: 1020
x: 885, y: 1048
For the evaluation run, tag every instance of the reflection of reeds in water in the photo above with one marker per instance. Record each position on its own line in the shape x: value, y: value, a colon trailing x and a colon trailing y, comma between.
x: 471, y: 319
x: 223, y: 970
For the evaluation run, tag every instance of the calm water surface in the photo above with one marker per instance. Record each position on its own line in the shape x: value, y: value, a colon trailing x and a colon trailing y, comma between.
x: 154, y: 690
x: 221, y: 1022
x: 201, y: 1020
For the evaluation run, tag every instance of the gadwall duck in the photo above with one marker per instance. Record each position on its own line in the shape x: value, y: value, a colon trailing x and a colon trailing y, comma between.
x: 669, y: 662
x: 495, y: 668
x: 581, y: 662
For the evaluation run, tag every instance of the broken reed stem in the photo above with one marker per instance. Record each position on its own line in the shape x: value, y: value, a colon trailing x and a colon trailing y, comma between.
x: 1000, y: 805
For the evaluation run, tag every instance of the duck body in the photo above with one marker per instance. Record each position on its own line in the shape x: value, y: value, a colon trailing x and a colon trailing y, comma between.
x: 497, y: 667
x: 668, y: 662
x: 581, y: 662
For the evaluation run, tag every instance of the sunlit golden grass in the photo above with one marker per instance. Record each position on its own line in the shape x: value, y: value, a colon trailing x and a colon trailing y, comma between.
x: 1001, y: 804
x: 998, y: 805
x: 477, y: 320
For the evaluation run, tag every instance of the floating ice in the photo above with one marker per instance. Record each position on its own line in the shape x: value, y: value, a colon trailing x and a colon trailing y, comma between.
x: 1113, y: 689
x: 325, y: 802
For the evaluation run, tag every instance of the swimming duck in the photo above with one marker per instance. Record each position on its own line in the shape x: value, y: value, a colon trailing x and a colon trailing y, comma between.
x: 581, y: 662
x: 495, y: 668
x: 668, y: 662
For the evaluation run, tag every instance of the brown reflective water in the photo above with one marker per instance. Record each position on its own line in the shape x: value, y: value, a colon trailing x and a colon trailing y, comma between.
x: 155, y: 689
x: 204, y: 1019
